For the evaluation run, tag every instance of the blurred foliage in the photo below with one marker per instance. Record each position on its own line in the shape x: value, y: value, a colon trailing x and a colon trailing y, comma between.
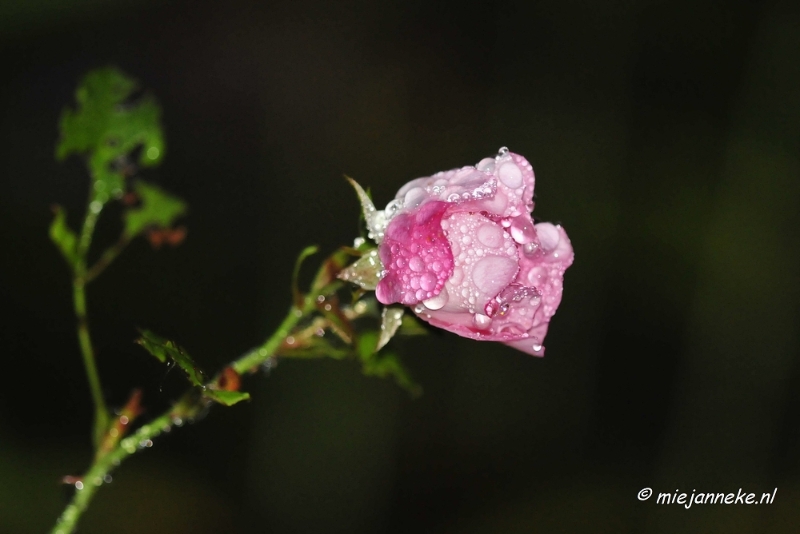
x: 157, y: 208
x: 107, y: 126
x: 63, y: 237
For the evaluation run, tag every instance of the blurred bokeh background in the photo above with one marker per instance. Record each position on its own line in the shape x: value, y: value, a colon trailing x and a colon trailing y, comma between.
x: 665, y: 138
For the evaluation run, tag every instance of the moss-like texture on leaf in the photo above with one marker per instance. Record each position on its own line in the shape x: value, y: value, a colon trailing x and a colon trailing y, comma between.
x: 106, y: 128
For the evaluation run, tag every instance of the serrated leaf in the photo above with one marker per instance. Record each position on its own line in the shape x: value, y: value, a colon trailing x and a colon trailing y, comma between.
x: 107, y: 129
x: 64, y: 238
x: 391, y: 318
x: 166, y: 350
x: 365, y: 272
x: 157, y: 208
x: 226, y: 398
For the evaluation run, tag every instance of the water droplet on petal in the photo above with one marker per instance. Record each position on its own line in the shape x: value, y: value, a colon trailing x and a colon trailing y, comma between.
x: 437, y: 302
x: 490, y: 235
x: 510, y: 174
x: 482, y: 321
x: 486, y: 165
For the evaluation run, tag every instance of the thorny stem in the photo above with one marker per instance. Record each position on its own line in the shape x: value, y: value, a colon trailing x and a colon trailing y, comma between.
x: 184, y: 409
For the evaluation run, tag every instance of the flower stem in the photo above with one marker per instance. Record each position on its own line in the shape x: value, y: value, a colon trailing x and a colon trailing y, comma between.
x: 250, y: 361
x: 183, y: 410
x: 100, y: 470
x: 87, y: 351
x: 79, y: 281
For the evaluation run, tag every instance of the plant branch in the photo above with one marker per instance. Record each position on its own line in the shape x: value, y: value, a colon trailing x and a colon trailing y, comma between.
x: 79, y: 281
x: 100, y: 470
x: 107, y: 258
x: 189, y: 405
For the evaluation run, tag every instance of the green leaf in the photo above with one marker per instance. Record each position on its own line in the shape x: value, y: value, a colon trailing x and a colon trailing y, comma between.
x: 107, y: 129
x: 156, y: 209
x: 296, y: 293
x: 64, y: 238
x: 226, y: 398
x: 365, y: 272
x: 166, y: 350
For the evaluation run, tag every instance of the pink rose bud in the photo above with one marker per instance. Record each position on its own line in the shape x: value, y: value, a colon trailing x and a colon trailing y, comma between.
x: 461, y: 249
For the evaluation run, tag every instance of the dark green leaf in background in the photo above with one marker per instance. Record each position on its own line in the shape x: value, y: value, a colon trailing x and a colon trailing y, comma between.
x: 157, y: 208
x: 63, y: 236
x: 106, y: 128
x: 384, y: 364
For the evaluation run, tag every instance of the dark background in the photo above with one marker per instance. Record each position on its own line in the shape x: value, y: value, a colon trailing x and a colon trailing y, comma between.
x: 664, y: 136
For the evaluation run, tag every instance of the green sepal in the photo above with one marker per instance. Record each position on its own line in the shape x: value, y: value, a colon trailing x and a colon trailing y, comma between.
x: 157, y: 208
x: 64, y: 238
x: 364, y: 272
x: 166, y: 350
x: 226, y: 398
x: 391, y: 319
x: 107, y: 129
